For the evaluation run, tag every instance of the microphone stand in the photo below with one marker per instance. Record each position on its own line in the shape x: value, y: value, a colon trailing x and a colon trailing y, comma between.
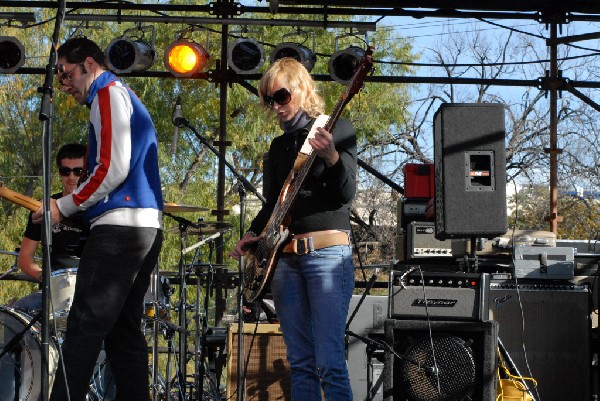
x: 46, y: 115
x: 182, y: 122
x: 242, y: 188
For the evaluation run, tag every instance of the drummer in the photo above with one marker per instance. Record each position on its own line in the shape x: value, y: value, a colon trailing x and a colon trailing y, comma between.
x: 66, y: 235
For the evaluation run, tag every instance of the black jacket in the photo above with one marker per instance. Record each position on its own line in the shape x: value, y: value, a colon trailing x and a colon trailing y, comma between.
x: 324, y: 201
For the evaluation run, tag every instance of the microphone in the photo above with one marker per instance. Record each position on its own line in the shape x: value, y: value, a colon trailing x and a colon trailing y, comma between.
x: 176, y: 121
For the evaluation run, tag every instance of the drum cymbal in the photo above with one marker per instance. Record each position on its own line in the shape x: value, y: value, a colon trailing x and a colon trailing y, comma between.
x: 171, y: 207
x: 204, y: 228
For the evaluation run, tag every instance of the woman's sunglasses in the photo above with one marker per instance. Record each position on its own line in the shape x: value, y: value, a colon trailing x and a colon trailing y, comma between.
x: 65, y: 171
x: 281, y: 97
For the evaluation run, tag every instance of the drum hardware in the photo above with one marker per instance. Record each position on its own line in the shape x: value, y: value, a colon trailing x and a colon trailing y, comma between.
x: 206, y: 382
x: 8, y: 275
x: 199, y: 274
x: 170, y: 207
x: 169, y: 328
x: 206, y: 228
x: 12, y: 269
x: 18, y: 277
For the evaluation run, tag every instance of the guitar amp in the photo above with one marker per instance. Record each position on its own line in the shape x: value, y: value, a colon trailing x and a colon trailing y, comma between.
x: 438, y: 295
x: 421, y: 243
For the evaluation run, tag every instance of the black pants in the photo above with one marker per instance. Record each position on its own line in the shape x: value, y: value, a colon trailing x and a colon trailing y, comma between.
x: 113, y: 277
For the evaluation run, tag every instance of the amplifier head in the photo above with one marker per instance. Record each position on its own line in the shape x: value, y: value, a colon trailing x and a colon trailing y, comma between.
x: 421, y: 243
x: 438, y: 295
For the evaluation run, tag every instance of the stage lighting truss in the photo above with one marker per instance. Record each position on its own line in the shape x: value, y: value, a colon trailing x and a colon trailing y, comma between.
x: 186, y: 58
x: 245, y: 55
x: 343, y: 63
x: 130, y: 53
x: 12, y: 54
x: 303, y: 54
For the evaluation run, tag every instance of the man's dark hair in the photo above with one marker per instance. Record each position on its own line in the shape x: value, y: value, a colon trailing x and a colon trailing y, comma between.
x: 70, y: 151
x: 75, y: 51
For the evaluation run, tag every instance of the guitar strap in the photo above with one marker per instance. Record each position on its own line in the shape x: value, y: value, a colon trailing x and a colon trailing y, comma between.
x: 306, y: 149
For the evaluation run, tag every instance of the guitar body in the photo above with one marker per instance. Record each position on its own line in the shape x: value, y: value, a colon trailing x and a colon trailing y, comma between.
x: 261, y: 259
x: 260, y: 262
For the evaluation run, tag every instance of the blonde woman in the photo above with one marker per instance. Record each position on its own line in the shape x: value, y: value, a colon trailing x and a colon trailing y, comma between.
x: 314, y: 278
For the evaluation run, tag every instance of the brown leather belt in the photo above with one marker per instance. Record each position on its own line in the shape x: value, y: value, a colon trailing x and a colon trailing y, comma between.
x: 303, y: 245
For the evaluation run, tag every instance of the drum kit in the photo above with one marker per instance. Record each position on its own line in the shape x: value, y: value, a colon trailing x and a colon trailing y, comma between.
x: 20, y: 330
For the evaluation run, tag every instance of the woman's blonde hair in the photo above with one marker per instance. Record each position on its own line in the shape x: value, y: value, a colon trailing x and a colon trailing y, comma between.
x: 297, y: 80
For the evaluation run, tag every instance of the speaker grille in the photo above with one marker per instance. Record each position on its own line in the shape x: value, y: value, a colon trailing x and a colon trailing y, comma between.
x: 451, y: 357
x: 268, y: 374
x: 465, y: 354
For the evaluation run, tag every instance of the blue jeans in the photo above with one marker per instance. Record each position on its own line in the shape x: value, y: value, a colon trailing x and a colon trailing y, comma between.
x: 312, y: 294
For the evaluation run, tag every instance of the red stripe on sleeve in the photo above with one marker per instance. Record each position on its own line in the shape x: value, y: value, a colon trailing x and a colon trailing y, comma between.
x: 106, y: 133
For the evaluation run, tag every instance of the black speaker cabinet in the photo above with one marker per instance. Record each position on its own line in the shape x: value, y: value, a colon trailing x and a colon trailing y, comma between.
x: 456, y: 362
x: 554, y: 332
x: 470, y: 170
x: 268, y: 374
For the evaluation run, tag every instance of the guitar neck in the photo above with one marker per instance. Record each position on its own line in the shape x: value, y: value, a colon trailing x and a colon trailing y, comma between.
x: 20, y: 199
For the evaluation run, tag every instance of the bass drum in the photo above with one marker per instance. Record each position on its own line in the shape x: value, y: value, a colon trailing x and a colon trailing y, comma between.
x: 21, y: 367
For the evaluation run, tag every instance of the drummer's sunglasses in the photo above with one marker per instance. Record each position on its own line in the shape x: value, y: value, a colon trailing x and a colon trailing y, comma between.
x: 281, y: 97
x: 65, y: 171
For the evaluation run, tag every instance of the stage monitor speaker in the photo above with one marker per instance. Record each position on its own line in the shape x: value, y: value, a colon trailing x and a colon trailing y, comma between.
x: 470, y: 170
x: 268, y: 374
x: 555, y: 335
x: 457, y: 362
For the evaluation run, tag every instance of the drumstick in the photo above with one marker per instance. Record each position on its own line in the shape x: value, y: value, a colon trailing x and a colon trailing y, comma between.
x: 20, y: 199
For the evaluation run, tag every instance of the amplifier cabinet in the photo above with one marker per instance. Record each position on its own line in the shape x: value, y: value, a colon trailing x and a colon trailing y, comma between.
x: 268, y: 375
x: 443, y: 296
x: 441, y: 360
x: 550, y: 323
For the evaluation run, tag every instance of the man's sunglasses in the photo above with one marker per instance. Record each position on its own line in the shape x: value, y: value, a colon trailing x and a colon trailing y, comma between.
x: 281, y: 97
x: 66, y: 75
x: 66, y: 171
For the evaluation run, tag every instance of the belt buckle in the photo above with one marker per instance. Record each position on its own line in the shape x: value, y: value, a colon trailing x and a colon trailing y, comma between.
x: 304, y: 248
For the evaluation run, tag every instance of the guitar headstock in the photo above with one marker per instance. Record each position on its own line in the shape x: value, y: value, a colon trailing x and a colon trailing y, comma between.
x: 365, y: 66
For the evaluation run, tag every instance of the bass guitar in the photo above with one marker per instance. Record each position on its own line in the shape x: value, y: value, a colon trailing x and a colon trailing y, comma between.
x: 261, y: 259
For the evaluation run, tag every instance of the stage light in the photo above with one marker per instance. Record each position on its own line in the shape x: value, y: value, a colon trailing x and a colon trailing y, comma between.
x: 245, y: 56
x: 301, y: 53
x: 130, y: 53
x: 343, y: 63
x: 12, y: 54
x: 185, y: 58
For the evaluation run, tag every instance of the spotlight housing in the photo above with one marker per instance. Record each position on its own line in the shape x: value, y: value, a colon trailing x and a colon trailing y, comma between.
x: 343, y: 63
x: 245, y: 55
x: 301, y: 53
x: 126, y: 55
x: 12, y: 54
x: 185, y: 58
